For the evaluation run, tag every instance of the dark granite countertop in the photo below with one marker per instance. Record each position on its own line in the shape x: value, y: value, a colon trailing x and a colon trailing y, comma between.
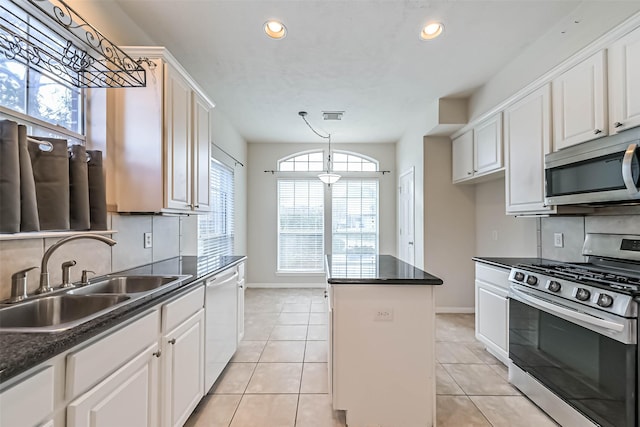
x: 22, y: 351
x: 508, y: 262
x: 375, y: 270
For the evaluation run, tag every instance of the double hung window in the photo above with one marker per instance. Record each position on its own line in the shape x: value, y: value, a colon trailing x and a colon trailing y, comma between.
x: 314, y: 219
x: 49, y: 107
x: 215, y: 230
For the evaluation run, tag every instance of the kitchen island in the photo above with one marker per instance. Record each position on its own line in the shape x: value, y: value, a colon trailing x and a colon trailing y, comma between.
x: 381, y: 341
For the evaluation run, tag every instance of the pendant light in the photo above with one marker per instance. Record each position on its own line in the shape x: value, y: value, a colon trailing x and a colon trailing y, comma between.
x: 327, y: 177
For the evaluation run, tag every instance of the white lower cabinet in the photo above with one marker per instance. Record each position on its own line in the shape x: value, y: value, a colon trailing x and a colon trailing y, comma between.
x: 128, y: 397
x: 183, y: 370
x: 492, y: 309
x: 30, y: 402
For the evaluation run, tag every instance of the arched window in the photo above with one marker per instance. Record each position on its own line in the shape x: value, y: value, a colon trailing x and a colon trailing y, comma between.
x: 350, y: 211
x: 303, y: 162
x: 343, y: 161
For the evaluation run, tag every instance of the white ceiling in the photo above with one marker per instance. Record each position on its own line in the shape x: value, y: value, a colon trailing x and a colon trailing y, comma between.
x: 361, y: 56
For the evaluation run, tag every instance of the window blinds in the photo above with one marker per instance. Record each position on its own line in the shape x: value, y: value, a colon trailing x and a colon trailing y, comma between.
x: 215, y: 230
x: 300, y: 225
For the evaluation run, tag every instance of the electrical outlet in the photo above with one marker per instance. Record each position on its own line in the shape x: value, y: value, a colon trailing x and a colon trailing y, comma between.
x: 383, y: 314
x: 558, y: 240
x: 148, y: 240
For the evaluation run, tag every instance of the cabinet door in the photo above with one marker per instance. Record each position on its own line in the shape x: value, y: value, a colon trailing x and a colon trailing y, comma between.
x: 30, y: 401
x: 624, y: 82
x: 177, y: 141
x: 492, y: 317
x: 183, y: 370
x: 201, y: 154
x: 487, y: 145
x: 128, y: 397
x: 527, y: 132
x: 579, y: 103
x: 462, y: 155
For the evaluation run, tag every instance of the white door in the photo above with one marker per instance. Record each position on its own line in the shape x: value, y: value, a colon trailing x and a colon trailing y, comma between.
x: 183, y: 370
x: 406, y: 197
x: 125, y: 398
x: 624, y: 86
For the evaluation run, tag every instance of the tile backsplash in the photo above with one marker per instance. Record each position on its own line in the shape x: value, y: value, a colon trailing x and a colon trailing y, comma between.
x: 574, y: 229
x: 129, y: 252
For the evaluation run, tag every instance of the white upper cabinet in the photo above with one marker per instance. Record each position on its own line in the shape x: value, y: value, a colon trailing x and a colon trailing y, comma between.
x: 487, y: 142
x: 462, y: 154
x: 527, y: 133
x: 177, y: 140
x: 478, y: 152
x: 579, y: 103
x: 160, y: 135
x: 624, y: 83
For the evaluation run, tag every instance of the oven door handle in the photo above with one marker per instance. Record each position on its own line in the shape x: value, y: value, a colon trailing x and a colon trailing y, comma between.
x: 576, y: 315
x: 627, y: 172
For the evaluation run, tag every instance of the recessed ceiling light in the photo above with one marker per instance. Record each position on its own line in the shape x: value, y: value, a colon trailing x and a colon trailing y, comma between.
x: 275, y: 29
x: 431, y: 30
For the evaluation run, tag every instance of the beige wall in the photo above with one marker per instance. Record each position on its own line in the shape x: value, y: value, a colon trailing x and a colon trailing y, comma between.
x: 262, y: 208
x: 449, y: 230
x: 498, y: 234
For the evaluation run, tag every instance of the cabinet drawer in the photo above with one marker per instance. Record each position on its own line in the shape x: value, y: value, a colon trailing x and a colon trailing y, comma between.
x: 28, y: 402
x: 88, y: 366
x: 494, y: 275
x: 180, y: 309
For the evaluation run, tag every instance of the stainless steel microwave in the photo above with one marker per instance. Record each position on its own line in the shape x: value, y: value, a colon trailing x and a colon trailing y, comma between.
x: 602, y: 171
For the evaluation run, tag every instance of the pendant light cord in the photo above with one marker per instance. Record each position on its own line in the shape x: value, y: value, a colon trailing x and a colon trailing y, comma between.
x: 303, y: 114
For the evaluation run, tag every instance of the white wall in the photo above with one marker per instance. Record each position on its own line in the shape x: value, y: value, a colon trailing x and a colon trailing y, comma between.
x: 262, y: 204
x: 449, y: 230
x: 498, y: 234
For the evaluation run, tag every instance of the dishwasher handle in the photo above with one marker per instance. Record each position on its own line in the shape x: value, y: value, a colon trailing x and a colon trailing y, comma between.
x: 213, y: 282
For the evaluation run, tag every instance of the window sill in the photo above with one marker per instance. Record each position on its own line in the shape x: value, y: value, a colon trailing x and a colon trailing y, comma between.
x: 300, y: 273
x: 51, y: 234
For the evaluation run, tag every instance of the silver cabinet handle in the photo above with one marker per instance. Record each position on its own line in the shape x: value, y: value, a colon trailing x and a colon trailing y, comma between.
x: 469, y: 173
x: 157, y: 353
x: 172, y: 341
x: 597, y: 131
x: 618, y: 125
x: 196, y: 206
x: 627, y: 173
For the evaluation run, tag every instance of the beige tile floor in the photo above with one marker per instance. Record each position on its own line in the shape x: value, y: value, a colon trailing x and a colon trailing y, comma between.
x: 278, y: 376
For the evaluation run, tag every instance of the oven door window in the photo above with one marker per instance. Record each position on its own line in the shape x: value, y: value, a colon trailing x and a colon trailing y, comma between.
x: 590, y: 176
x: 593, y: 373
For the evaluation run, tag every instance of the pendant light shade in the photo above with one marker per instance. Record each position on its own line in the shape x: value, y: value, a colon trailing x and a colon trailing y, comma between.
x: 329, y: 178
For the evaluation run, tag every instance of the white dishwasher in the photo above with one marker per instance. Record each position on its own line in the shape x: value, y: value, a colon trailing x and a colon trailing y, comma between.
x: 221, y: 318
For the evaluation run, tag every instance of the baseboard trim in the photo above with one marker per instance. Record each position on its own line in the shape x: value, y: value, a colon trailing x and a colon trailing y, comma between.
x: 286, y: 285
x: 459, y: 310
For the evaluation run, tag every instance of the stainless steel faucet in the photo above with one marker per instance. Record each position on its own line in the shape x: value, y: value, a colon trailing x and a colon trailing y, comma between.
x: 44, y: 271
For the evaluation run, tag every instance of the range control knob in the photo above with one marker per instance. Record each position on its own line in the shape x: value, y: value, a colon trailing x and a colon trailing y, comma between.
x: 532, y: 280
x: 583, y: 294
x: 605, y: 300
x: 554, y: 286
x: 519, y: 276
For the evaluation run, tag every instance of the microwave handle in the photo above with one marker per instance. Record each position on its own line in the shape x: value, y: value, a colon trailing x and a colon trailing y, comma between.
x: 627, y: 173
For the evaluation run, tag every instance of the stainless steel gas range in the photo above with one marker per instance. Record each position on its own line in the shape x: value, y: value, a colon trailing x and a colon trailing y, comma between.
x: 573, y: 333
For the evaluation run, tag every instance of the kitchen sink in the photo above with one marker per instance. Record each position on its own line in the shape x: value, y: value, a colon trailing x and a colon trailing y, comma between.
x: 56, y: 313
x: 126, y: 285
x: 70, y: 308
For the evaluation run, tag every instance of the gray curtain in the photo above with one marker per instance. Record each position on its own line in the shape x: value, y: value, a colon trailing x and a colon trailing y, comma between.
x: 51, y: 175
x: 97, y: 191
x: 28, y: 205
x: 9, y: 178
x: 78, y: 188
